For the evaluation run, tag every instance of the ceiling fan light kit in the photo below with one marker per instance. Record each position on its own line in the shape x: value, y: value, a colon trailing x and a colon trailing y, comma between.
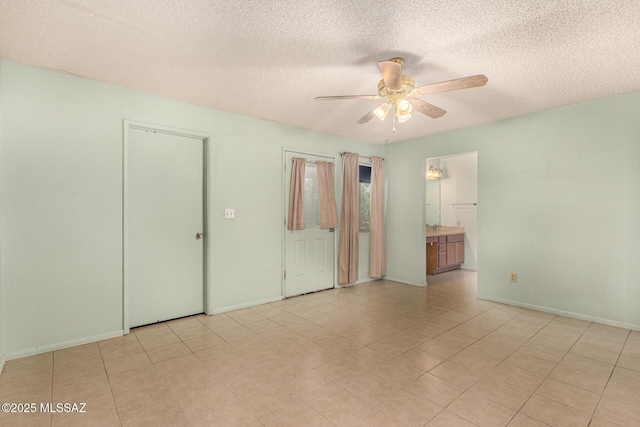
x: 402, y: 94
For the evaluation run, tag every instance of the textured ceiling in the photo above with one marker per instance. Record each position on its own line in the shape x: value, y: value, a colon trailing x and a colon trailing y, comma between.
x: 269, y: 59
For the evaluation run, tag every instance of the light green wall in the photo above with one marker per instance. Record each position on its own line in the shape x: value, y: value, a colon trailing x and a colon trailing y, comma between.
x: 558, y: 203
x: 63, y: 202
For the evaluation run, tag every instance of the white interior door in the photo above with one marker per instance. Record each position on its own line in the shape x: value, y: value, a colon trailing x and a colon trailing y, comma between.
x: 309, y: 253
x: 164, y: 271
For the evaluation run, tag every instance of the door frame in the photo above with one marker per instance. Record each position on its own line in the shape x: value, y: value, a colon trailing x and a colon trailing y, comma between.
x: 285, y: 212
x: 128, y: 125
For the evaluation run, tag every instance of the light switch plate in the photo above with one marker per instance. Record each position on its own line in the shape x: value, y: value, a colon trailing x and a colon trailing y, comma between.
x: 229, y: 213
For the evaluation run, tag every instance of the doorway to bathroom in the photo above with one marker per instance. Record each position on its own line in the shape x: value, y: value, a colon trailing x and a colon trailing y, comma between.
x: 451, y: 214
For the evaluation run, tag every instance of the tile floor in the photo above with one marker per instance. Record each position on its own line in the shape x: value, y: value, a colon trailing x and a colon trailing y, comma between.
x: 378, y: 354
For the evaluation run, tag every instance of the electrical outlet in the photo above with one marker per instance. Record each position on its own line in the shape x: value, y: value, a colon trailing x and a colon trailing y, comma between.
x: 229, y: 213
x: 514, y: 277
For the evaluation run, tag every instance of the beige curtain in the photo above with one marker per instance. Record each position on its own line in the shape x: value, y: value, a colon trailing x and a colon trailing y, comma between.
x: 296, y: 195
x: 378, y: 249
x: 327, y: 185
x: 350, y: 220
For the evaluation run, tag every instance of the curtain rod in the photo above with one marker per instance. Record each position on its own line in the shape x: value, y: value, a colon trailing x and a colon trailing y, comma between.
x: 342, y: 153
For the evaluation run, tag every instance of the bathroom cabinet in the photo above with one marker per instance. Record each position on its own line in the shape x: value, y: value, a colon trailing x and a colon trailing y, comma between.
x: 444, y: 253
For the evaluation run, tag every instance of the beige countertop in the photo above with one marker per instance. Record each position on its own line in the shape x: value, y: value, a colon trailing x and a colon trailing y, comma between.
x: 444, y: 231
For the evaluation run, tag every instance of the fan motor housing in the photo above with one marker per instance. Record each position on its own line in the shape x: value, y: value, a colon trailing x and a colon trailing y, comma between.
x: 408, y: 84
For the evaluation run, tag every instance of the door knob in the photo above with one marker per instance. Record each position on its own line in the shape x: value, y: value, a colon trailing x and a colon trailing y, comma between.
x: 199, y: 235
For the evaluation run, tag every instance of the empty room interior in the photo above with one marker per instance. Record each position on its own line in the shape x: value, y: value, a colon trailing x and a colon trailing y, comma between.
x: 319, y: 214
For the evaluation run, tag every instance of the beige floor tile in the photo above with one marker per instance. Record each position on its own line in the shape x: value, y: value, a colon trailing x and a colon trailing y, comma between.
x: 449, y: 419
x: 542, y: 352
x: 457, y: 374
x: 626, y: 376
x: 268, y: 311
x: 490, y: 350
x: 377, y: 354
x: 118, y: 340
x: 183, y: 323
x: 311, y: 384
x: 114, y: 351
x: 632, y: 348
x: 126, y: 363
x: 263, y: 325
x: 620, y: 404
x: 369, y: 386
x: 399, y: 373
x: 203, y: 342
x: 530, y: 363
x: 479, y: 362
x: 419, y: 359
x: 606, y: 332
x: 582, y: 372
x: 481, y: 411
x: 629, y: 362
x: 245, y: 315
x: 237, y: 414
x: 155, y: 340
x: 455, y: 339
x: 234, y: 333
x: 521, y: 420
x: 192, y: 332
x: 513, y: 375
x: 80, y: 388
x: 340, y: 406
x: 470, y: 331
x: 271, y: 406
x: 599, y: 422
x: 595, y: 353
x: 553, y: 413
x: 555, y: 341
x: 286, y: 319
x: 569, y: 395
x: 409, y: 408
x: 154, y: 329
x: 27, y: 420
x: 303, y: 415
x: 170, y: 351
x: 508, y: 395
x: 100, y: 411
x: 218, y: 322
x: 372, y: 417
x: 435, y: 389
x: 439, y: 348
x: 341, y: 368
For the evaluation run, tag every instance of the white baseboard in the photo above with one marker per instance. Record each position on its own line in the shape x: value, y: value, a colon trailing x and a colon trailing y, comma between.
x: 2, y: 360
x: 406, y: 282
x: 245, y: 305
x: 60, y: 346
x: 564, y: 313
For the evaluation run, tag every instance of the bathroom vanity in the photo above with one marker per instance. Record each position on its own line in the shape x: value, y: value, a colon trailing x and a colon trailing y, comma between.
x: 445, y: 249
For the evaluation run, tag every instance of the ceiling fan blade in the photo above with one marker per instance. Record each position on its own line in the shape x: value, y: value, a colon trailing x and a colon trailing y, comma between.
x: 370, y: 115
x: 427, y: 109
x: 463, y: 83
x: 391, y: 74
x: 332, y: 98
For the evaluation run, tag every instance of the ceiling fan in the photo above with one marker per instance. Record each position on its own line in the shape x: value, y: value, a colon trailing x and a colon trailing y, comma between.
x: 401, y: 94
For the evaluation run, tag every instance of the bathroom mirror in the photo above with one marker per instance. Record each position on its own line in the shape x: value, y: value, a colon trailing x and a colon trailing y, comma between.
x: 433, y: 199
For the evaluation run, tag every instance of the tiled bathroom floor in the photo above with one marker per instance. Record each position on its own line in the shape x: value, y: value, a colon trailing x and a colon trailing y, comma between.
x: 378, y: 354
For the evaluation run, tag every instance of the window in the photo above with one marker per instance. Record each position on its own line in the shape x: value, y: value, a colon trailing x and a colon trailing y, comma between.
x: 365, y: 198
x: 311, y: 196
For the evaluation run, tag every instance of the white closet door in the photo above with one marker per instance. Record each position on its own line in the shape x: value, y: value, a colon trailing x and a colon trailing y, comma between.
x: 164, y: 208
